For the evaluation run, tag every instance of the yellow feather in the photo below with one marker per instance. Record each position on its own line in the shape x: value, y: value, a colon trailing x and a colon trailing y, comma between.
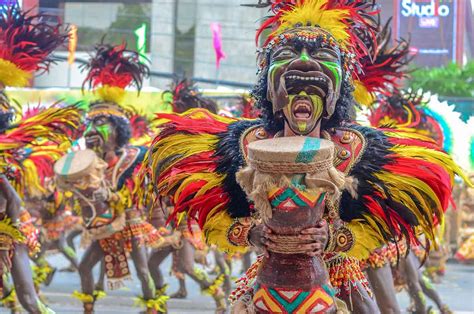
x: 314, y: 12
x: 398, y: 184
x: 375, y: 222
x: 11, y: 75
x: 409, y: 133
x: 361, y: 95
x: 111, y: 94
x: 366, y: 239
x: 437, y: 157
x: 215, y: 232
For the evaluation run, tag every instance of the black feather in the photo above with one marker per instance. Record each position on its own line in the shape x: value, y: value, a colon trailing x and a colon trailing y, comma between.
x: 230, y: 160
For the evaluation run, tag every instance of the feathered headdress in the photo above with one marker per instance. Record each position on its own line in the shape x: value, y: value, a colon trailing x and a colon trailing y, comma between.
x: 352, y: 26
x: 110, y: 70
x: 186, y: 96
x: 382, y: 67
x: 141, y: 127
x: 26, y: 44
x: 423, y: 114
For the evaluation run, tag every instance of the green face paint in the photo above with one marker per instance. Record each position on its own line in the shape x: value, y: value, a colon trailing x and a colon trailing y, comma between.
x: 302, y: 126
x: 88, y: 129
x: 104, y: 131
x: 304, y: 55
x: 335, y: 68
x: 315, y: 99
x: 276, y: 65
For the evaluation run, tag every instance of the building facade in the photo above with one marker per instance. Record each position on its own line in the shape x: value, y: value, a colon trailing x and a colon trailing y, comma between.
x: 179, y: 38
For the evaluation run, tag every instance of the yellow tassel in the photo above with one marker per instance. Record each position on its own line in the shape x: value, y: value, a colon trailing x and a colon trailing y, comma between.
x: 11, y: 75
x: 212, y: 289
x: 87, y: 298
x: 84, y: 298
x: 158, y: 304
x: 6, y: 227
x: 10, y: 298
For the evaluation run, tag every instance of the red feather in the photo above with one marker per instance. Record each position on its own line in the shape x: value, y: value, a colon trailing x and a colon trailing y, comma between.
x: 26, y: 40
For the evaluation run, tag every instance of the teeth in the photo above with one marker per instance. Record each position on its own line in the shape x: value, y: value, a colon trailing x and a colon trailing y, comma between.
x: 305, y: 78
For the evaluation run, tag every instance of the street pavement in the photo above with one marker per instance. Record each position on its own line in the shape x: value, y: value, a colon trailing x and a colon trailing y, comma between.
x: 456, y: 289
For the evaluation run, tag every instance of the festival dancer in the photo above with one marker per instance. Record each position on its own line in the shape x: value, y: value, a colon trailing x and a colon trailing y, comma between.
x: 26, y: 44
x: 114, y: 226
x: 57, y: 219
x: 465, y: 252
x: 307, y: 86
x: 408, y: 111
x: 184, y: 243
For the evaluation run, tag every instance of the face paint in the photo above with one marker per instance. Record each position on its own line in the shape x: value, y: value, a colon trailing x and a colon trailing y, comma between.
x: 104, y: 131
x: 304, y: 55
x: 335, y: 69
x: 304, y: 126
x: 275, y: 65
x: 88, y: 130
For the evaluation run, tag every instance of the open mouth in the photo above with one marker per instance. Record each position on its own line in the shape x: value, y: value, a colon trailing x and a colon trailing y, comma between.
x: 302, y: 107
x: 313, y: 83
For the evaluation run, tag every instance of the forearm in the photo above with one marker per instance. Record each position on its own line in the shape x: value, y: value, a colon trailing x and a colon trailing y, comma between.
x: 13, y: 202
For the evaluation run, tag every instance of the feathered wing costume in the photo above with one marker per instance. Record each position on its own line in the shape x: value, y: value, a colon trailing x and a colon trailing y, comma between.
x: 399, y: 183
x: 29, y: 142
x: 25, y: 47
x: 33, y: 144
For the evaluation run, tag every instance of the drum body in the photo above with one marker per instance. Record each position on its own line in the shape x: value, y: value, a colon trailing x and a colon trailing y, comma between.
x: 294, y: 172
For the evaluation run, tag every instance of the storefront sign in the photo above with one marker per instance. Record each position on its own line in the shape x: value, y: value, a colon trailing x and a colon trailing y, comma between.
x: 431, y: 27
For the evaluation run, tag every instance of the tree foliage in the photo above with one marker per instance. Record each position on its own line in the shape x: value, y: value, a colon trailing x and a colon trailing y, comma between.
x: 450, y: 80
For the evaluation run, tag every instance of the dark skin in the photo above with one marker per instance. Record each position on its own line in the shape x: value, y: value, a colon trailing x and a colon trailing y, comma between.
x: 286, y: 62
x: 101, y: 136
x: 19, y: 265
x: 385, y: 294
x: 304, y: 83
x: 408, y: 267
x: 60, y: 244
x: 410, y: 270
x: 184, y: 256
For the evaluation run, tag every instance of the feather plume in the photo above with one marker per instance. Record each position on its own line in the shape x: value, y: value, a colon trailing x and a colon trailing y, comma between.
x: 404, y: 183
x: 26, y: 44
x: 190, y: 162
x: 114, y: 68
x: 185, y: 96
